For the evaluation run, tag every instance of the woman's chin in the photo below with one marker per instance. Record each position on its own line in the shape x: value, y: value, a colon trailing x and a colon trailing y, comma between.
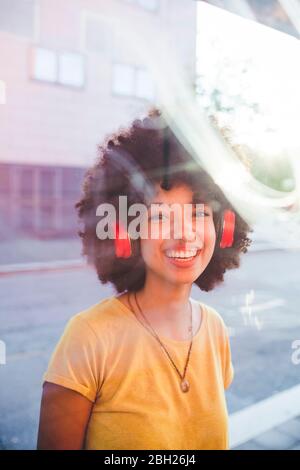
x: 181, y: 277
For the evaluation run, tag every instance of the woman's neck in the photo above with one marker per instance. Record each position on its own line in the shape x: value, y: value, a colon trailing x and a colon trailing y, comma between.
x: 163, y: 301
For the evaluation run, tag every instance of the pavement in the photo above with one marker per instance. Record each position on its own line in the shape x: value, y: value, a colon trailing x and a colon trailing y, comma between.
x: 283, y: 437
x: 271, y: 423
x: 15, y: 251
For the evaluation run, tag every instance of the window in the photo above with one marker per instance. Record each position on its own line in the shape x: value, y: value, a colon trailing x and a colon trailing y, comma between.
x: 26, y: 217
x: 129, y: 80
x: 123, y: 79
x: 71, y: 182
x: 65, y: 68
x: 5, y: 180
x: 44, y: 65
x: 69, y: 218
x: 144, y: 85
x: 151, y: 5
x: 47, y: 216
x: 47, y: 184
x: 71, y: 69
x: 26, y: 183
x: 2, y: 92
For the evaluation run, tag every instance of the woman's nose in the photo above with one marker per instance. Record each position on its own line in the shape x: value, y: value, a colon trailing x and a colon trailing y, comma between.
x: 184, y: 230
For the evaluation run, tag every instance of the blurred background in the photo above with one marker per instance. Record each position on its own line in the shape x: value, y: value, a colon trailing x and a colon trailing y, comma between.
x: 73, y: 71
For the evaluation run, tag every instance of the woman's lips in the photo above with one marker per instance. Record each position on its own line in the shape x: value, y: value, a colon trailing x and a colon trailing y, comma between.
x: 183, y: 262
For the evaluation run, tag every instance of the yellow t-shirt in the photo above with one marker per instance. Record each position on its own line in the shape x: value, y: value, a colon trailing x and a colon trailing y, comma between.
x: 107, y: 355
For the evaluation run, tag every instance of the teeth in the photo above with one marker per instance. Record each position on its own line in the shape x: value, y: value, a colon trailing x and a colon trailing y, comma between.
x: 181, y: 254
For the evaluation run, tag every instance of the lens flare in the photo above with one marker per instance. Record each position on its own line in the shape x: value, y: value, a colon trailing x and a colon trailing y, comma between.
x: 269, y: 83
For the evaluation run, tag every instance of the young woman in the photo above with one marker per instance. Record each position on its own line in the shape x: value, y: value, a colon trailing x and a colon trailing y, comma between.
x: 147, y: 368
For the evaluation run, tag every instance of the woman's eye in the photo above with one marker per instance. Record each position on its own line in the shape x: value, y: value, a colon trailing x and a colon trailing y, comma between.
x: 157, y: 217
x: 200, y: 214
x: 164, y: 217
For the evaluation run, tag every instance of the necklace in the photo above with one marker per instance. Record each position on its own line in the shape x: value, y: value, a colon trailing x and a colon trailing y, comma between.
x: 184, y: 383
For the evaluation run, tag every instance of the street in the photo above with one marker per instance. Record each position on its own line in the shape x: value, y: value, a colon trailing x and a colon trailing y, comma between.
x: 259, y: 303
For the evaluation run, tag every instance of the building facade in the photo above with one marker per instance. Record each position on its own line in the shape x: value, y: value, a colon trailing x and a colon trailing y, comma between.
x: 68, y: 79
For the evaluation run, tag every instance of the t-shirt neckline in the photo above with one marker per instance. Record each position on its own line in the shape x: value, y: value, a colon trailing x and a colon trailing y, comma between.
x: 165, y: 339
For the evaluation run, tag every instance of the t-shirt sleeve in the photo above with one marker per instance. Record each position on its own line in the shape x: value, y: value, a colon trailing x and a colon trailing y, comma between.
x: 73, y: 363
x: 228, y: 366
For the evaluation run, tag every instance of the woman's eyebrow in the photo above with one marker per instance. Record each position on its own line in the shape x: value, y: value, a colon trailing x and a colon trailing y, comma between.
x: 195, y: 200
x: 198, y: 200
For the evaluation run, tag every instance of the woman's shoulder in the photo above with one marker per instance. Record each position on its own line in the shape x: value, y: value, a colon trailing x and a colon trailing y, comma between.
x: 214, y: 318
x: 99, y: 315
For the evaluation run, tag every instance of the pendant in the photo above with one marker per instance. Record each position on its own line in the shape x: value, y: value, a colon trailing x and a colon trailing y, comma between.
x: 184, y: 385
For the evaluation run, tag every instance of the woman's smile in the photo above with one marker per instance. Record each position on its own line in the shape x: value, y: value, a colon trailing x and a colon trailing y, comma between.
x: 182, y: 258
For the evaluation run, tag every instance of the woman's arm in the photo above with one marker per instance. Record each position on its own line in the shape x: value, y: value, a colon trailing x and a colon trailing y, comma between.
x: 64, y: 416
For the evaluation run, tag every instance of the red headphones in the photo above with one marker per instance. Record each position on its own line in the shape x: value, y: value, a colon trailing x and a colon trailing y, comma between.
x: 123, y: 245
x: 227, y: 228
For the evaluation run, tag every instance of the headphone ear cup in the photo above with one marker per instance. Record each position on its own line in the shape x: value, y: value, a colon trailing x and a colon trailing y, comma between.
x: 227, y: 229
x: 122, y: 242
